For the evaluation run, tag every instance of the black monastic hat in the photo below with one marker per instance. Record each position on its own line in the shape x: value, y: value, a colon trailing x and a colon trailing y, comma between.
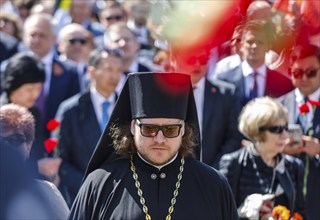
x: 148, y: 95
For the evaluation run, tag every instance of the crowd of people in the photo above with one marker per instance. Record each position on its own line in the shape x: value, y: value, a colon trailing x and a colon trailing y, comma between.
x: 122, y: 110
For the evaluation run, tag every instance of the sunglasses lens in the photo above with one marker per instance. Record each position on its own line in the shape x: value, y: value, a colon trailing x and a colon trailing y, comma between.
x: 278, y: 129
x: 116, y: 17
x: 297, y: 73
x: 15, y: 139
x: 171, y: 131
x: 149, y: 130
x: 311, y: 73
x: 80, y: 40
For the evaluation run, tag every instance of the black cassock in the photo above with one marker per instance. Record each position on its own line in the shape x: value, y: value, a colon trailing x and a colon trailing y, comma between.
x: 110, y: 193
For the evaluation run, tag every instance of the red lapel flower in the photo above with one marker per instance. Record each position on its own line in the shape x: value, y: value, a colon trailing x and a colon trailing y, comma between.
x: 50, y: 144
x: 304, y: 108
x: 53, y: 124
x: 57, y: 69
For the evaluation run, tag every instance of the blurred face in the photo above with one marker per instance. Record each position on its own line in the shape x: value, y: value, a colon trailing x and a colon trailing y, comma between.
x: 75, y: 46
x: 156, y: 150
x: 79, y: 11
x: 275, y: 139
x: 306, y: 85
x: 107, y: 74
x: 26, y: 95
x: 194, y: 64
x: 17, y: 139
x: 39, y: 37
x: 140, y: 14
x: 110, y: 16
x: 125, y: 41
x: 7, y: 26
x: 254, y: 46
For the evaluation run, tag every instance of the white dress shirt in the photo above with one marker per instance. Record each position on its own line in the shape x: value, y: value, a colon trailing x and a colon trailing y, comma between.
x: 247, y: 72
x: 97, y: 101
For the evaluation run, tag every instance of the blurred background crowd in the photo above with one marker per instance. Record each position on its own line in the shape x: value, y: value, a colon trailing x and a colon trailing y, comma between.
x: 63, y: 64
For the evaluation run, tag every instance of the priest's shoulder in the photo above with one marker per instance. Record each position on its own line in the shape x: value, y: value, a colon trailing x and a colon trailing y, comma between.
x: 116, y: 168
x: 204, y: 171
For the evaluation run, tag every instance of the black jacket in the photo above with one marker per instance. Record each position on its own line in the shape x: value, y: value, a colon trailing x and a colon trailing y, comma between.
x: 237, y: 165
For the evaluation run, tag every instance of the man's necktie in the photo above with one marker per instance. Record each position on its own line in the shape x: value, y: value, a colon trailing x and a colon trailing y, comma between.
x: 105, y: 116
x: 253, y: 93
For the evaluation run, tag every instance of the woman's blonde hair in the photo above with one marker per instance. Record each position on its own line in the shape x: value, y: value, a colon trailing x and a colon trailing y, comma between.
x: 258, y: 113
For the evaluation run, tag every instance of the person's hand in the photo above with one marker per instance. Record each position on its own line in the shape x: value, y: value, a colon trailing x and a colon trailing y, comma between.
x: 293, y: 148
x: 266, y: 210
x: 56, y: 180
x: 49, y: 166
x: 311, y: 146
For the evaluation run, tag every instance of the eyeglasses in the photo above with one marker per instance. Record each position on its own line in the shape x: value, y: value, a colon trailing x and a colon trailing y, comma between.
x: 202, y: 60
x: 275, y: 129
x: 151, y: 130
x: 82, y: 41
x: 115, y: 17
x: 14, y: 139
x: 298, y: 73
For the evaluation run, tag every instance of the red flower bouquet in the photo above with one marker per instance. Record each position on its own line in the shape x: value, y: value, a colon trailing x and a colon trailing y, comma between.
x: 280, y: 212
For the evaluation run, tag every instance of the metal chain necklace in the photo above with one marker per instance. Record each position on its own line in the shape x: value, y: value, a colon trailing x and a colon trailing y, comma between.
x: 142, y: 200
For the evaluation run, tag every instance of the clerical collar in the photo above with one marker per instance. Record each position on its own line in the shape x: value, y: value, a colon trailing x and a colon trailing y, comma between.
x: 158, y: 167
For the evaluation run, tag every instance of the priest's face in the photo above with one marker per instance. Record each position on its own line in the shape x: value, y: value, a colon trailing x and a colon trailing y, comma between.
x: 159, y: 149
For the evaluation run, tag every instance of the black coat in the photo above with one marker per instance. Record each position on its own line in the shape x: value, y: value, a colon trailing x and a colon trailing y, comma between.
x: 241, y: 175
x: 110, y: 192
x: 220, y: 133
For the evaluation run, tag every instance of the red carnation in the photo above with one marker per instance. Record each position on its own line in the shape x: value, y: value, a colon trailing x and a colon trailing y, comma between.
x: 304, y: 108
x: 50, y: 144
x: 53, y: 124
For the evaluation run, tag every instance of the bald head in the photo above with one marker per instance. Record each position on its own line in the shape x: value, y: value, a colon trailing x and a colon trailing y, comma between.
x: 259, y: 10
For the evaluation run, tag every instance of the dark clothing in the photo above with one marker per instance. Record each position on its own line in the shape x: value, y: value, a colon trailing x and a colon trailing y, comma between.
x: 220, y: 133
x: 64, y: 83
x: 312, y: 164
x: 110, y: 192
x: 37, y: 150
x: 79, y: 134
x: 245, y: 180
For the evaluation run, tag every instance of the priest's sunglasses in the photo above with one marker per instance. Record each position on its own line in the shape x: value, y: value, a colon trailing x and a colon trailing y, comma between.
x: 298, y: 73
x: 152, y: 130
x: 275, y: 129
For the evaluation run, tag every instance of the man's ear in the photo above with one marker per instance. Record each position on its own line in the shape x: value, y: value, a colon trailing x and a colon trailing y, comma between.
x: 133, y: 128
x: 183, y: 129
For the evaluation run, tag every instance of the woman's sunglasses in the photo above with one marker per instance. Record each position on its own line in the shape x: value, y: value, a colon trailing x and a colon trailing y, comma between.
x: 298, y: 73
x: 151, y: 130
x: 14, y: 139
x: 82, y: 41
x: 275, y: 129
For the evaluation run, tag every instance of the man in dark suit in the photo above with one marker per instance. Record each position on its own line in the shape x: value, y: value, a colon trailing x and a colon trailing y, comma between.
x: 217, y: 106
x: 252, y: 77
x: 61, y: 75
x: 303, y: 104
x: 83, y: 118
